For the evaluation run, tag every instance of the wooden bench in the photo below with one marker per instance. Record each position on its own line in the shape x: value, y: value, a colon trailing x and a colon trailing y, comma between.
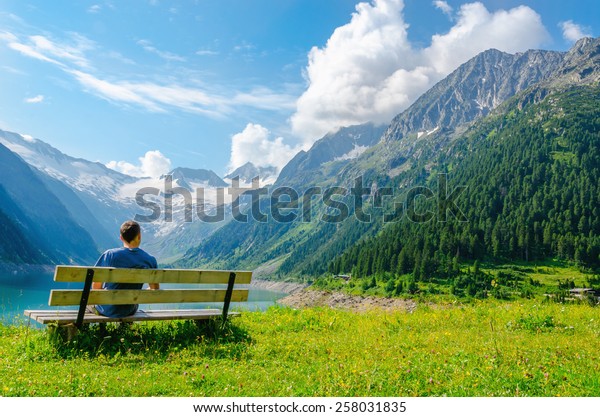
x: 82, y: 297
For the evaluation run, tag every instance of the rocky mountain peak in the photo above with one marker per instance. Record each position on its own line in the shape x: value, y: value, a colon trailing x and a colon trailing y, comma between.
x: 581, y: 65
x: 248, y: 171
x: 344, y: 144
x: 473, y: 90
x: 191, y: 178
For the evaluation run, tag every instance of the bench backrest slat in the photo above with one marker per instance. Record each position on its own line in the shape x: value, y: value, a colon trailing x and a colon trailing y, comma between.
x: 141, y: 276
x: 73, y: 297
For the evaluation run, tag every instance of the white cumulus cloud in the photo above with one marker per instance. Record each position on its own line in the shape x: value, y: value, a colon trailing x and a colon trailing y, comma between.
x: 153, y: 164
x: 572, y: 32
x: 369, y: 70
x: 254, y: 144
x: 477, y: 29
x: 444, y: 7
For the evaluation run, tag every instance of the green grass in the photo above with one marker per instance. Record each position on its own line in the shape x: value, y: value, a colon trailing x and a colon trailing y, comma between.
x: 548, y: 272
x: 565, y: 157
x: 486, y: 348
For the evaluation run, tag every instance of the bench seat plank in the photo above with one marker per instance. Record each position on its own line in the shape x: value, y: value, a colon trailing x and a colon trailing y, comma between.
x: 62, y: 317
x: 72, y: 297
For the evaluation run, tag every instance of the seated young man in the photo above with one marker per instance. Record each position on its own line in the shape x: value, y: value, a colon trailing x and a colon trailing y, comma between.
x: 128, y: 256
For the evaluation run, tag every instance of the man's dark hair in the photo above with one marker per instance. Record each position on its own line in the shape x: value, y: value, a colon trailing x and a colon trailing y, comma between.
x: 130, y: 230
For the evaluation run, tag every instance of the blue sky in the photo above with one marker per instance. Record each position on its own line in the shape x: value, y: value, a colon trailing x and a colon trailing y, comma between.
x: 143, y: 85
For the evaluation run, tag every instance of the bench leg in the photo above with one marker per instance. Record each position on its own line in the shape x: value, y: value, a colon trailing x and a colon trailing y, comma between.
x: 53, y: 331
x: 62, y: 333
x: 72, y: 331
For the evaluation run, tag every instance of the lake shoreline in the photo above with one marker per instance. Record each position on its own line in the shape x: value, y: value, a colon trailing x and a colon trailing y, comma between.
x: 16, y: 269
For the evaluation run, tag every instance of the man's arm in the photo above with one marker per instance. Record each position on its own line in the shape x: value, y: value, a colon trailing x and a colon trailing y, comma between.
x: 102, y: 261
x: 154, y: 286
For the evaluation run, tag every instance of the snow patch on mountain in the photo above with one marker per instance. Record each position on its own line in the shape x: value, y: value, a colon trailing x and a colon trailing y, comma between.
x: 353, y: 153
x: 427, y: 132
x: 91, y: 178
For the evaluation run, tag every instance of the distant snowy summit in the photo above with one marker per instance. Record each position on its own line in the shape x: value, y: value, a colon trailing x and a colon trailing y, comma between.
x: 195, y: 178
x: 85, y: 176
x: 247, y: 172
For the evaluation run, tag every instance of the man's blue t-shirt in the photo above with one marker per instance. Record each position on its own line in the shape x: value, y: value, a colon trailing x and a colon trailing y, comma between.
x: 124, y: 258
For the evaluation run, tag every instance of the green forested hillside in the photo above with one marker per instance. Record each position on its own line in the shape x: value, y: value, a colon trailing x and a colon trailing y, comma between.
x: 531, y: 177
x: 531, y: 173
x: 14, y: 246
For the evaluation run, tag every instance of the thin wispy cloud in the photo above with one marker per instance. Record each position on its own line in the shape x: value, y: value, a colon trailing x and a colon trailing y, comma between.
x: 204, y: 52
x: 266, y: 99
x: 113, y: 91
x: 73, y: 52
x: 114, y: 55
x: 169, y: 56
x: 244, y: 46
x: 161, y: 98
x: 30, y: 51
x: 153, y: 96
x: 96, y: 8
x: 13, y: 70
x: 58, y: 53
x: 34, y: 100
x: 8, y: 37
x: 444, y: 7
x: 572, y: 32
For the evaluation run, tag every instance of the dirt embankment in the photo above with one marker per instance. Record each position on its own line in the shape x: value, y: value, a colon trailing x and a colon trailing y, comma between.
x: 318, y: 298
x: 278, y: 286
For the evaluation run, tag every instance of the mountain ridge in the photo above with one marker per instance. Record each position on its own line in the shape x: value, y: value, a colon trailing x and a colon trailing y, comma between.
x: 539, y: 198
x: 343, y: 145
x: 187, y: 176
x: 485, y: 81
x: 247, y: 172
x: 41, y: 217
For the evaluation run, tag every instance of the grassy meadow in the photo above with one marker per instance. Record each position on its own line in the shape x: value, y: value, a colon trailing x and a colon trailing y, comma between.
x: 549, y: 278
x: 482, y: 348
